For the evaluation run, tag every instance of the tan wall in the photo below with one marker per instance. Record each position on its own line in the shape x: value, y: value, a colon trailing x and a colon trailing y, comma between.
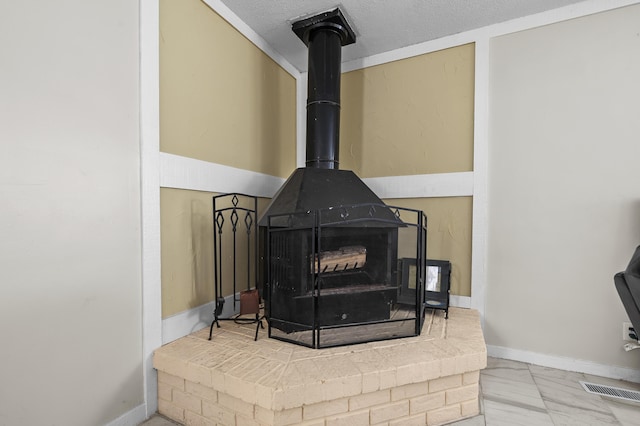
x: 415, y: 116
x: 186, y: 226
x: 187, y: 249
x: 412, y: 116
x: 222, y: 99
x: 448, y: 234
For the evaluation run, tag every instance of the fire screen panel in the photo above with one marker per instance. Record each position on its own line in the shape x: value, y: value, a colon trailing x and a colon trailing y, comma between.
x: 338, y: 281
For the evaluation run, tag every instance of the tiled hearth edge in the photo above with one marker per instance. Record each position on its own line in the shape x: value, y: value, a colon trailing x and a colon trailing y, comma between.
x: 430, y: 379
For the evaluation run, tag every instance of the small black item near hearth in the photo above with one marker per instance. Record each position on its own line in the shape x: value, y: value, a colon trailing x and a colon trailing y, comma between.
x: 235, y: 253
x: 437, y: 286
x: 437, y: 283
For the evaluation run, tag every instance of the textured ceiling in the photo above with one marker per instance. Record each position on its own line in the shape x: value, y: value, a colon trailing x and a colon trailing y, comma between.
x: 380, y: 25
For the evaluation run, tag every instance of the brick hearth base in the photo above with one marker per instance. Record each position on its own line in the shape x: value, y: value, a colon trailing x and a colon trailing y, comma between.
x: 430, y: 379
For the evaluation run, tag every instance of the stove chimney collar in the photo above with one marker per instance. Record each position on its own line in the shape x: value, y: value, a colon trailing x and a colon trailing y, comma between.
x: 331, y: 19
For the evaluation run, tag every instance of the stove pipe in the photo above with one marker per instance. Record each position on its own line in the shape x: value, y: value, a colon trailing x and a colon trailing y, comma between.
x: 324, y: 35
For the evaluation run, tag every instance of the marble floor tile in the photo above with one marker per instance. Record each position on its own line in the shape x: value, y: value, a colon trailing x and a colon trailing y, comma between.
x: 504, y: 414
x: 510, y: 382
x: 627, y: 413
x: 513, y: 370
x: 612, y: 382
x: 567, y: 402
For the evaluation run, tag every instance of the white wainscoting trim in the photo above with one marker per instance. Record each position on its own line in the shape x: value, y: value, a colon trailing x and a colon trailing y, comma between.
x: 480, y: 226
x: 565, y: 363
x: 423, y: 186
x: 188, y: 173
x: 132, y: 417
x: 460, y: 301
x: 187, y: 322
x: 150, y: 198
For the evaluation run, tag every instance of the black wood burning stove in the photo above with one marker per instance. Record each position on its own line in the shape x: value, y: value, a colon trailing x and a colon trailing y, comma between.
x: 332, y: 251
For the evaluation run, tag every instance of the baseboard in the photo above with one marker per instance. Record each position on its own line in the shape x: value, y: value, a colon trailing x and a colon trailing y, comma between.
x: 565, y: 363
x: 460, y: 301
x: 184, y: 323
x: 131, y: 418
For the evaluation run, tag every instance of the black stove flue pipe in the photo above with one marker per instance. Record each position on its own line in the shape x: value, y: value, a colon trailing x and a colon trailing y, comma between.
x: 324, y: 35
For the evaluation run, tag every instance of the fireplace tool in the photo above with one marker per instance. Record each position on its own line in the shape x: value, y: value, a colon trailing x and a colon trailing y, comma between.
x: 235, y: 251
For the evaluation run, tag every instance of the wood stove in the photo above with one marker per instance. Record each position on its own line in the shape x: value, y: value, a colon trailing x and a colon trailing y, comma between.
x: 332, y: 251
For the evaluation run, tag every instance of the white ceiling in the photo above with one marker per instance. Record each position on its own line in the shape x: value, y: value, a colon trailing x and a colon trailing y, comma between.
x: 380, y: 25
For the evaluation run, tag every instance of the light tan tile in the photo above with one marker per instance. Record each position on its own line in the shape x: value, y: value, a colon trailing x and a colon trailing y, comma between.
x: 201, y: 391
x: 389, y: 411
x: 187, y: 401
x: 409, y: 391
x: 246, y: 421
x: 281, y: 417
x: 236, y: 405
x: 471, y: 377
x: 192, y: 419
x: 171, y: 410
x: 171, y: 380
x: 217, y: 413
x: 464, y: 393
x: 470, y: 408
x: 164, y: 391
x: 370, y: 399
x: 325, y: 409
x: 352, y: 418
x: 443, y: 415
x: 424, y: 403
x: 415, y: 420
x: 445, y: 383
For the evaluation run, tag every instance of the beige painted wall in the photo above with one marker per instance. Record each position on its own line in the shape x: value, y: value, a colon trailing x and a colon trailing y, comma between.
x: 186, y: 226
x: 448, y: 234
x: 415, y: 116
x: 564, y: 204
x: 222, y: 99
x: 70, y: 280
x: 412, y: 116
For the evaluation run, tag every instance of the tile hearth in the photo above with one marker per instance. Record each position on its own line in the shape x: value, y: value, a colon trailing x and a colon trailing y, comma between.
x: 232, y: 380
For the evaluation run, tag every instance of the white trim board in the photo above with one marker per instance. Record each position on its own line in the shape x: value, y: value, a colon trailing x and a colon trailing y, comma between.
x: 188, y: 173
x: 460, y: 301
x: 422, y: 186
x: 564, y: 363
x: 132, y: 417
x: 479, y: 226
x: 150, y: 199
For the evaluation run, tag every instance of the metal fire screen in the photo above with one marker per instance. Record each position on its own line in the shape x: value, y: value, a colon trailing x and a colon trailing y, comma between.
x: 335, y: 276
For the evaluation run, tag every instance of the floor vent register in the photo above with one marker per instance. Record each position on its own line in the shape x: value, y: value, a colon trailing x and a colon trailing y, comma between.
x: 611, y: 391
